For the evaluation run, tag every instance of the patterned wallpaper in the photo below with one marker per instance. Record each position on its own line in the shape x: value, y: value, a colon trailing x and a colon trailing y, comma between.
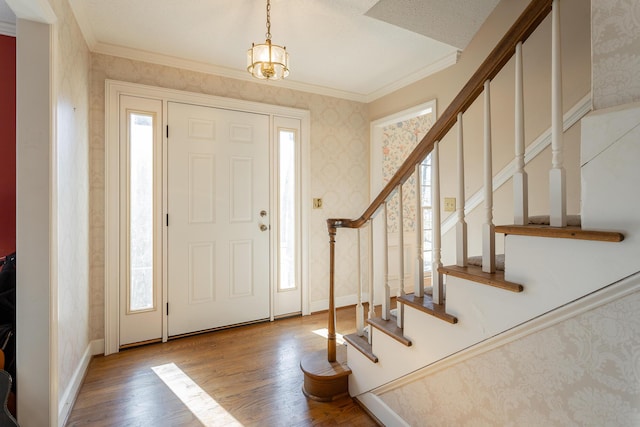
x: 72, y: 85
x: 339, y: 164
x: 615, y: 34
x: 398, y: 140
x: 584, y: 371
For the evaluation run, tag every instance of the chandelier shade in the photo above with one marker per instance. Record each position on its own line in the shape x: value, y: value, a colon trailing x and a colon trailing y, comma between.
x: 268, y: 61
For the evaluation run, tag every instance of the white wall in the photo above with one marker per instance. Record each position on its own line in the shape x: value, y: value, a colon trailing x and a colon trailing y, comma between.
x: 71, y: 79
x: 35, y: 343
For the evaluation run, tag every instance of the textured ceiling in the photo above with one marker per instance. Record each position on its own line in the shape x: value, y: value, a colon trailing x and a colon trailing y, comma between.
x: 357, y: 49
x: 454, y: 22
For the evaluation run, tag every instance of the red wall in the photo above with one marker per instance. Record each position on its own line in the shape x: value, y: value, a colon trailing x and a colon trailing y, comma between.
x: 7, y: 145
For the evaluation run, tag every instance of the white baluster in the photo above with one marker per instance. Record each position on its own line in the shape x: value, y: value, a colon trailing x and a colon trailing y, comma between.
x: 400, y: 307
x: 359, y: 306
x: 557, y: 180
x: 461, y: 225
x: 488, y: 229
x: 436, y: 277
x: 520, y: 179
x: 371, y: 281
x: 418, y: 288
x: 386, y: 298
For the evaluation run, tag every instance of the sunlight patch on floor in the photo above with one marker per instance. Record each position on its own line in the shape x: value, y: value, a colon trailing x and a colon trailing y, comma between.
x: 325, y: 333
x: 203, y: 406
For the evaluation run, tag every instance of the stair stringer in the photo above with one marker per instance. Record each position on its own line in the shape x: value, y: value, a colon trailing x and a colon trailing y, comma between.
x: 402, y: 402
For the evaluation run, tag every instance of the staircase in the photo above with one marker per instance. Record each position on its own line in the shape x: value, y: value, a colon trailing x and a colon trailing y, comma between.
x: 552, y: 266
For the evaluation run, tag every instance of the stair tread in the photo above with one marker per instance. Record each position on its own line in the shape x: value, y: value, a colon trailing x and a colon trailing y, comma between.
x: 477, y: 261
x: 390, y: 327
x: 361, y: 343
x: 569, y: 232
x: 475, y: 273
x: 426, y: 305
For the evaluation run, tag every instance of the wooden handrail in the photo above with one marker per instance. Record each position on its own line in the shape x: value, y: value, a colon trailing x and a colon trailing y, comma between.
x: 524, y: 26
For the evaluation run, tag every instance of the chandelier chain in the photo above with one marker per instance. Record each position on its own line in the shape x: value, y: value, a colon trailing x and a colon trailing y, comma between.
x: 267, y: 61
x: 268, y: 20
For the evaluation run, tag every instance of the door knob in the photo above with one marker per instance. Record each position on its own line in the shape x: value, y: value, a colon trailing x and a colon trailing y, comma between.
x: 263, y: 213
x: 263, y: 227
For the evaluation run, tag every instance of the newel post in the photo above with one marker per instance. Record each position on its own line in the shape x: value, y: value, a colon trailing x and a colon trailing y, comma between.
x: 327, y: 378
x: 331, y: 327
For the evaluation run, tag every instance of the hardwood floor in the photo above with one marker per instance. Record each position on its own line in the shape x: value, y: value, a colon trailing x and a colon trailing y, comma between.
x: 246, y: 376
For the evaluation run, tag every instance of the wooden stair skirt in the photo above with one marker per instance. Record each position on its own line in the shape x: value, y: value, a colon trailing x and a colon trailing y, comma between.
x: 325, y: 381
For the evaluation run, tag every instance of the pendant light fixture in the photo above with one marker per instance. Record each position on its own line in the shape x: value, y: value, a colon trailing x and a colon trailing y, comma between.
x: 268, y: 61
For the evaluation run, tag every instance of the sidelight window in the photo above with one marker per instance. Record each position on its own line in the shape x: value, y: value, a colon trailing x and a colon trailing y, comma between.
x: 141, y: 201
x: 287, y: 209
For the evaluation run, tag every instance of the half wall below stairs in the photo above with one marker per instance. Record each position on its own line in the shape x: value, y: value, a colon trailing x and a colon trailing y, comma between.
x: 575, y: 366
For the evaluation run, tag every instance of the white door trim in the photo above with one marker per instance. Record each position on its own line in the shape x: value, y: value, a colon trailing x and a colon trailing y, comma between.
x: 113, y: 90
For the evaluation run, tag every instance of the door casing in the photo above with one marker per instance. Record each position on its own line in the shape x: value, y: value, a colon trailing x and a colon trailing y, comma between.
x: 113, y: 90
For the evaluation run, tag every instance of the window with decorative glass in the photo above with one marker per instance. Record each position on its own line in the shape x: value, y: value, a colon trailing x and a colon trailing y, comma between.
x: 427, y: 222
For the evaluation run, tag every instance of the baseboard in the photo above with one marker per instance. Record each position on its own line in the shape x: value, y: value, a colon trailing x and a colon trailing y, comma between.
x: 380, y: 411
x: 69, y: 396
x: 97, y: 347
x: 323, y: 305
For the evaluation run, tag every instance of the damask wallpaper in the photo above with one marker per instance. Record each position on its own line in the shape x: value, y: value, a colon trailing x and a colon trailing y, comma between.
x: 615, y: 34
x: 72, y: 116
x: 398, y: 140
x: 339, y: 164
x: 584, y: 371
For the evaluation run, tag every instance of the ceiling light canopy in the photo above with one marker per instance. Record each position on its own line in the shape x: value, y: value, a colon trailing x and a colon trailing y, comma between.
x: 268, y: 61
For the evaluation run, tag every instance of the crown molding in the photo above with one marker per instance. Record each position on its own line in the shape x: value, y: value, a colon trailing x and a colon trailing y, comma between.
x: 197, y: 66
x: 433, y: 68
x: 186, y: 64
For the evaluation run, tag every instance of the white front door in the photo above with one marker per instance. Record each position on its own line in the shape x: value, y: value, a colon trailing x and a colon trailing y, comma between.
x: 218, y: 218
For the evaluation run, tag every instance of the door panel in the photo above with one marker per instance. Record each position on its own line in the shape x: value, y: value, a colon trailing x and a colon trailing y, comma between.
x: 218, y: 182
